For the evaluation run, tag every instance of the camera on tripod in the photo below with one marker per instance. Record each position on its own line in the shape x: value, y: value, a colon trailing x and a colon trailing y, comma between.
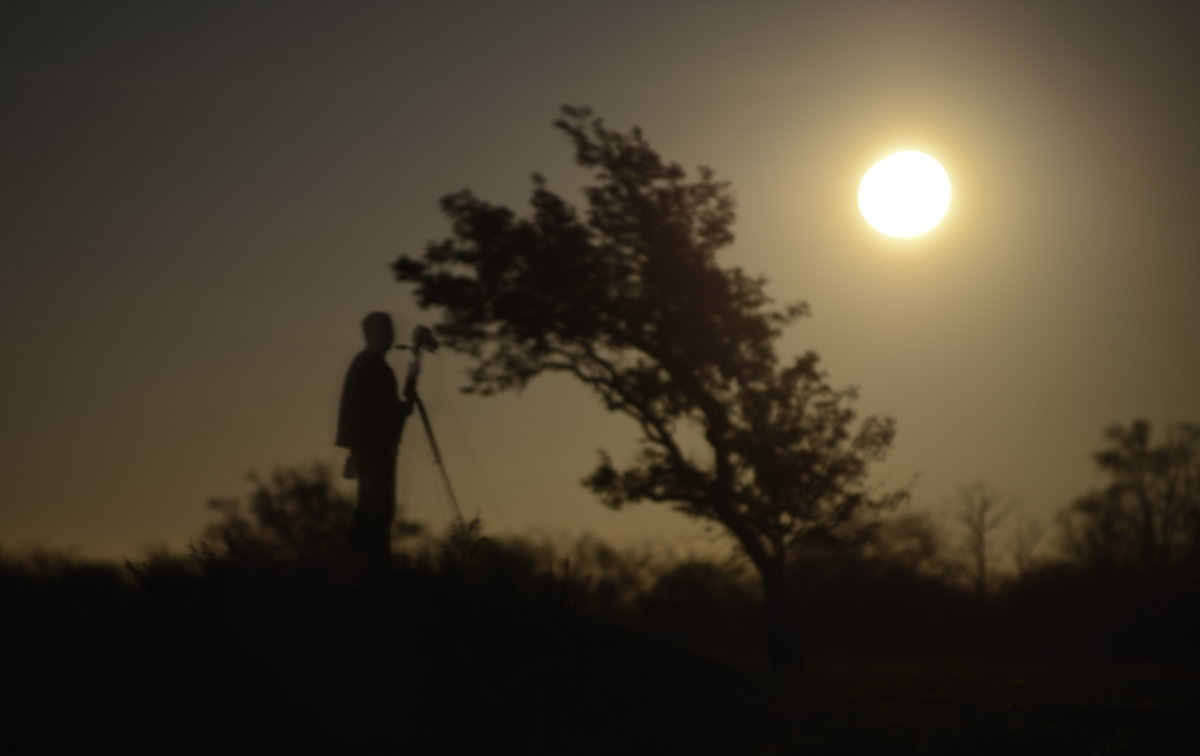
x: 423, y: 340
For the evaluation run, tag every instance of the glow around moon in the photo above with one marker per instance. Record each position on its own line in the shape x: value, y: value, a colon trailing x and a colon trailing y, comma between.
x: 904, y: 194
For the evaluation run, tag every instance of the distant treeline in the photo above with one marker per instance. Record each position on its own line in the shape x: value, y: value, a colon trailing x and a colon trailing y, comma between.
x: 1120, y: 576
x: 1117, y: 574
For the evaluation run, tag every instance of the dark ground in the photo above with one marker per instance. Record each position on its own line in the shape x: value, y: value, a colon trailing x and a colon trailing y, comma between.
x: 231, y: 658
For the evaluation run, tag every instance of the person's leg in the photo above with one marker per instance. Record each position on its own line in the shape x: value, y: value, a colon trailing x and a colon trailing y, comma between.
x: 370, y: 528
x: 385, y: 506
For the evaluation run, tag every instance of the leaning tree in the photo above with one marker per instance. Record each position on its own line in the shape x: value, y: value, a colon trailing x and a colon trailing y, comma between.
x: 627, y: 297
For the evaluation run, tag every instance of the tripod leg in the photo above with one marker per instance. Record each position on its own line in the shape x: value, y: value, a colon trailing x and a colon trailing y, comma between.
x: 437, y: 455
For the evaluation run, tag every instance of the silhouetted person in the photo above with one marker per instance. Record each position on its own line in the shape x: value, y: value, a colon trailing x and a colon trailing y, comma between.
x: 370, y: 418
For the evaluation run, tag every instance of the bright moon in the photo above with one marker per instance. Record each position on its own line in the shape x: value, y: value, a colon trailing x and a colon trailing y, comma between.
x: 904, y: 194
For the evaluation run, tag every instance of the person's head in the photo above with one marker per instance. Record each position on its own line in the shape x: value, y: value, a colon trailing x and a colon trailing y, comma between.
x: 377, y: 330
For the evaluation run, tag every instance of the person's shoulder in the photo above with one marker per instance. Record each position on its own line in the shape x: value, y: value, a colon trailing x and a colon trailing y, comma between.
x: 361, y: 362
x: 370, y: 360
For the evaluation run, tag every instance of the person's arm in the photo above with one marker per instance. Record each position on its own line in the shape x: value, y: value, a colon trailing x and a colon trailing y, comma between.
x: 349, y: 426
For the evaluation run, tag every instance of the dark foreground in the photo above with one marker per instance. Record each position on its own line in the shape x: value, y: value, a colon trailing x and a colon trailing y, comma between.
x: 225, y: 658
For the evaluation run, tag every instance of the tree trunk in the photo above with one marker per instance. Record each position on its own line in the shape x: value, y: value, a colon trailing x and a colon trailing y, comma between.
x: 782, y: 650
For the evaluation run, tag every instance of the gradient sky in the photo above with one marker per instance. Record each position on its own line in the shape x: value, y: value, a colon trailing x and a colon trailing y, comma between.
x: 201, y: 200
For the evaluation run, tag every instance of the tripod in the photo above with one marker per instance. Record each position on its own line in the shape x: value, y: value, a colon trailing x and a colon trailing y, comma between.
x: 423, y: 340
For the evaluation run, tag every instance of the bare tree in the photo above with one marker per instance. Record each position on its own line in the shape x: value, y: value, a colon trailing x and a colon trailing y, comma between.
x: 981, y: 509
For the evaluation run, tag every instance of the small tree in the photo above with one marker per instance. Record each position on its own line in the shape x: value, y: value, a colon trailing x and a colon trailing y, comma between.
x: 1148, y: 516
x: 627, y: 297
x: 912, y: 541
x: 1024, y: 542
x: 295, y: 514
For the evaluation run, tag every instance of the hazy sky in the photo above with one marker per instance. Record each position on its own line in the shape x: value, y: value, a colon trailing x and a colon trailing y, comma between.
x: 201, y: 200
